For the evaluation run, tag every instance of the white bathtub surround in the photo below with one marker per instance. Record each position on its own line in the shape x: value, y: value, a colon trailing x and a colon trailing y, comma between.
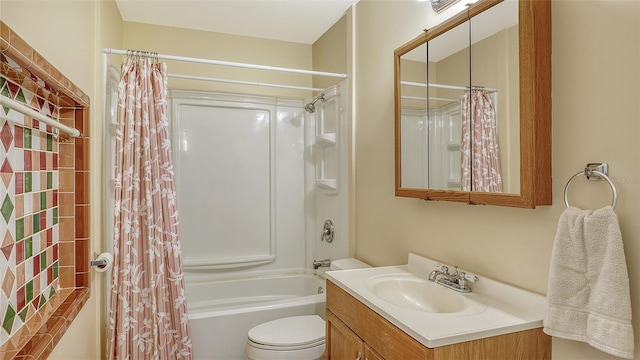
x: 251, y: 209
x: 240, y: 176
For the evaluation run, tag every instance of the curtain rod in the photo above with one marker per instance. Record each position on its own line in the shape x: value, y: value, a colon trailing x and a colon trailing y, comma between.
x: 226, y: 63
x: 430, y: 99
x: 190, y: 77
x: 450, y: 87
x: 21, y: 108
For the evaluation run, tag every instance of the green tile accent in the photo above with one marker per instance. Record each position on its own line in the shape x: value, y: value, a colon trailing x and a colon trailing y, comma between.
x: 19, y: 229
x: 28, y: 248
x: 49, y: 142
x: 43, y: 300
x: 55, y: 271
x: 7, y: 208
x: 43, y: 200
x: 52, y: 291
x: 36, y: 222
x: 27, y: 138
x: 6, y: 110
x: 43, y: 260
x: 7, y: 322
x: 55, y: 215
x: 29, y: 291
x: 5, y: 89
x: 49, y: 180
x: 3, y: 81
x: 20, y: 96
x: 23, y: 314
x: 28, y: 180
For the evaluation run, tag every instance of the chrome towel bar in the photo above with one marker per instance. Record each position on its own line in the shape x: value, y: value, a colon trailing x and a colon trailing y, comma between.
x: 593, y: 171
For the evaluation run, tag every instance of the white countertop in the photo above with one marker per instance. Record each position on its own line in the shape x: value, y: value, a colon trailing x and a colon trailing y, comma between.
x: 492, y: 309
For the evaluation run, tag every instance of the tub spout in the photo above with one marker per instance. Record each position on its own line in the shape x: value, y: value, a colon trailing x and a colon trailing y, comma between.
x: 321, y: 263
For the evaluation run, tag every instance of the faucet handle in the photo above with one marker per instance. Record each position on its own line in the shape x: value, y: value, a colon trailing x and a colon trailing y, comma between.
x: 469, y: 276
x: 443, y: 268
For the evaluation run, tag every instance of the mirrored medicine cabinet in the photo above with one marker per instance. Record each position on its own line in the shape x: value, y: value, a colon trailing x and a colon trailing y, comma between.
x: 473, y: 107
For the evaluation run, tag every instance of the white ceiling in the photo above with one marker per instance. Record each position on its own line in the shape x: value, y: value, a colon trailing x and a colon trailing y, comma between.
x: 300, y: 21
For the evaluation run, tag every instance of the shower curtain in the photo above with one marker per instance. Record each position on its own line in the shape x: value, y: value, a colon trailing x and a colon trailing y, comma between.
x: 479, y: 145
x: 148, y: 311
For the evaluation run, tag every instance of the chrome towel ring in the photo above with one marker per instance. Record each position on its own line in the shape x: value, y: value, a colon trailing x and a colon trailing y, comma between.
x: 588, y: 172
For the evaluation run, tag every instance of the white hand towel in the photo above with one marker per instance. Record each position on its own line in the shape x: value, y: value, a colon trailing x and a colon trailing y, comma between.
x: 588, y: 296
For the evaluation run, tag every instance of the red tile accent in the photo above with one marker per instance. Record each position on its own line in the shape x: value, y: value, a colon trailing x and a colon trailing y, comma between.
x: 50, y: 237
x: 56, y: 253
x: 55, y: 161
x: 7, y: 251
x: 35, y: 124
x: 43, y: 160
x: 6, y: 166
x: 55, y: 198
x: 50, y: 275
x: 21, y: 298
x: 36, y: 265
x: 28, y: 160
x: 18, y: 137
x: 43, y: 220
x: 19, y: 252
x: 6, y: 137
x: 19, y: 183
x: 13, y: 89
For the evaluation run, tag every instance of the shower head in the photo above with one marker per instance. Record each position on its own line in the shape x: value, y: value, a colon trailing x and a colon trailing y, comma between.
x: 311, y: 107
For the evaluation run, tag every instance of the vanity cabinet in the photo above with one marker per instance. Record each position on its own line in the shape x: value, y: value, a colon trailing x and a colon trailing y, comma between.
x: 354, y: 331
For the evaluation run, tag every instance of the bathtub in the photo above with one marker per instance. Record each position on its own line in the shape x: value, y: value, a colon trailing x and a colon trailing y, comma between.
x: 222, y: 310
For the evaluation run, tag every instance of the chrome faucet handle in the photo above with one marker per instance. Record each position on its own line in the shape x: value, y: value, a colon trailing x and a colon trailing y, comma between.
x: 468, y: 277
x: 443, y: 268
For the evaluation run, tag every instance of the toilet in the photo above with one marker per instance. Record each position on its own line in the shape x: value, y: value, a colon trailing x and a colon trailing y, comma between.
x: 295, y: 337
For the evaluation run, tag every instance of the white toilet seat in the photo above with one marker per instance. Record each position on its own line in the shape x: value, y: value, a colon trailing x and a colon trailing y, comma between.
x: 296, y: 337
x: 284, y: 348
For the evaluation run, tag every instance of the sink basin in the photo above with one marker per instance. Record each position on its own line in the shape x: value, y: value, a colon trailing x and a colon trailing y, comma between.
x: 415, y: 293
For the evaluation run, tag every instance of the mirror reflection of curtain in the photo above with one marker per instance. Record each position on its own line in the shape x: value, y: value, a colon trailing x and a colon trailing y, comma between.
x: 479, y: 145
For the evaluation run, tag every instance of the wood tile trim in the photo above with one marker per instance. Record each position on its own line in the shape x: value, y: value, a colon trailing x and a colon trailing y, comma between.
x: 37, y: 338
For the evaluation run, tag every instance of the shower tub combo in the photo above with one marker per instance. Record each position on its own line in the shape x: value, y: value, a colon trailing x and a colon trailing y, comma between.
x: 243, y: 170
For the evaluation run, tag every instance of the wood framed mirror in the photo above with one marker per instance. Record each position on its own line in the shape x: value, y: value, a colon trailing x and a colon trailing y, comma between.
x: 473, y: 107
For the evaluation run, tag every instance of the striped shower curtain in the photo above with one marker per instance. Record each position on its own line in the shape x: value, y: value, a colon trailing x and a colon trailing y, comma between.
x: 148, y: 311
x: 479, y: 145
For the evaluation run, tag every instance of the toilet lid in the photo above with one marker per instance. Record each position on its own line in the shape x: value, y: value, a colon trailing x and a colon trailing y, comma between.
x: 290, y: 331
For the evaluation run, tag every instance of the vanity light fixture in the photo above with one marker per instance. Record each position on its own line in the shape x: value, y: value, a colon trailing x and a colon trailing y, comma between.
x: 441, y: 5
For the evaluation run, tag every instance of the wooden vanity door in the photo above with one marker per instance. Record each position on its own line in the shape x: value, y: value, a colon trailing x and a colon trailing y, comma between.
x: 342, y: 343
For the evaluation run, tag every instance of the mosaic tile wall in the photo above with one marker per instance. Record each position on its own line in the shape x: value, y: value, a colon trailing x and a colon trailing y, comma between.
x: 29, y: 187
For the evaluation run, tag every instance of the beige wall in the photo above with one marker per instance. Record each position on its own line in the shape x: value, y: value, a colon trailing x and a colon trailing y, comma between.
x: 596, y: 117
x: 234, y: 48
x: 596, y: 52
x: 70, y: 35
x: 330, y: 53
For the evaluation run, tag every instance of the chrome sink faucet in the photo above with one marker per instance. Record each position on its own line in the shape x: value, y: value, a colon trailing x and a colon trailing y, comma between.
x: 456, y: 281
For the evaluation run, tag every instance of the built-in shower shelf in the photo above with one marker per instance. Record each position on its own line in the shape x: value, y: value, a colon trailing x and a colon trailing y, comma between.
x: 326, y: 139
x: 327, y: 184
